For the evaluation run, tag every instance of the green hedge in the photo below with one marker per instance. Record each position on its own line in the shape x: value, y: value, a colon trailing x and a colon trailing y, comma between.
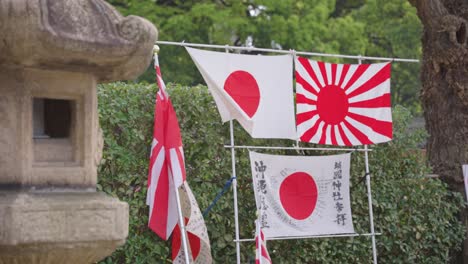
x: 416, y: 216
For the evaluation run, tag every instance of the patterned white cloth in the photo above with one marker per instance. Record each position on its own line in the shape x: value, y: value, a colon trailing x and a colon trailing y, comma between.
x: 302, y: 195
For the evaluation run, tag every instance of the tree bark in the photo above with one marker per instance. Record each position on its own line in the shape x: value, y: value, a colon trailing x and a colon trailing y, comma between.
x: 444, y: 94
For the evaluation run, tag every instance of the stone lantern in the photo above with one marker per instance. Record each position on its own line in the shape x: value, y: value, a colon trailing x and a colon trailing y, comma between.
x: 52, y: 55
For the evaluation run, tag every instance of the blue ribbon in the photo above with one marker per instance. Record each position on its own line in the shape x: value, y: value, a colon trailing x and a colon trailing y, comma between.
x: 218, y: 196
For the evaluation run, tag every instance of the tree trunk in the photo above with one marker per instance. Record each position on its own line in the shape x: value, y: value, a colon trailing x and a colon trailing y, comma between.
x: 444, y: 95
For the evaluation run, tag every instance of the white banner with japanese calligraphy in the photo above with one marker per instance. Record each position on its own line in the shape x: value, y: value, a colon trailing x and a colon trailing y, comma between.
x: 302, y: 195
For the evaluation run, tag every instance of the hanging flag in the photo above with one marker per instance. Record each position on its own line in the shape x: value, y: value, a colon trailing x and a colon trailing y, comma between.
x: 301, y: 195
x: 167, y: 167
x: 261, y: 252
x: 199, y: 242
x: 465, y: 178
x: 343, y: 104
x: 254, y: 90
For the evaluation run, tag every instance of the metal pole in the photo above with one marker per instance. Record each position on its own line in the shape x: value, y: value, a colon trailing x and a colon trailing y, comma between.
x: 234, y: 184
x: 371, y: 214
x: 234, y: 189
x: 181, y: 222
x: 293, y: 54
x: 369, y: 198
x: 185, y: 44
x: 311, y: 237
x: 296, y: 148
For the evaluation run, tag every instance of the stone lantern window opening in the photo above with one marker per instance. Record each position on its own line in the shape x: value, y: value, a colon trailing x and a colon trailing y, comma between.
x: 53, y: 126
x: 52, y: 118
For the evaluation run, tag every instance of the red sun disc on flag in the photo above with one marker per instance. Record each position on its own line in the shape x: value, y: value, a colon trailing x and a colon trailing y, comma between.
x: 194, y: 242
x: 332, y: 104
x: 298, y: 195
x: 243, y: 88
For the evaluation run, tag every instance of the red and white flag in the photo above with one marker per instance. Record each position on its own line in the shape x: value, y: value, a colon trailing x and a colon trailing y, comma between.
x: 167, y: 167
x: 300, y: 196
x: 343, y: 104
x: 255, y: 90
x: 261, y: 251
x: 198, y: 240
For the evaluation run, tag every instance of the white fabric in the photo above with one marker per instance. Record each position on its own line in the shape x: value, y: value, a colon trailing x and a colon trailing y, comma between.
x: 269, y: 173
x: 275, y: 115
x: 196, y: 226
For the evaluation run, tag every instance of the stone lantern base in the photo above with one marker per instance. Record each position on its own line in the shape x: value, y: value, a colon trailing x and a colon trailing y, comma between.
x: 60, y: 227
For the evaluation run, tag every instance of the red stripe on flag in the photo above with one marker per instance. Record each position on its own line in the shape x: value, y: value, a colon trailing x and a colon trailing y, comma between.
x: 358, y: 134
x: 181, y: 164
x: 323, y: 71
x: 381, y: 127
x: 302, y: 99
x: 307, y: 136
x: 344, y: 71
x: 344, y: 137
x: 158, y: 219
x: 333, y: 136
x: 357, y: 74
x: 265, y: 253
x: 306, y: 64
x: 260, y: 244
x: 381, y: 101
x: 323, y: 138
x: 154, y: 155
x: 378, y: 78
x: 302, y: 117
x: 305, y: 84
x: 333, y: 73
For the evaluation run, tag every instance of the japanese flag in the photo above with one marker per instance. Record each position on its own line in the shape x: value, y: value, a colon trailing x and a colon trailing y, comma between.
x: 302, y: 196
x: 255, y: 90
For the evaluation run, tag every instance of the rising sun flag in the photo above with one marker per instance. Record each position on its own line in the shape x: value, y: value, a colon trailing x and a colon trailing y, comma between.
x: 167, y: 165
x: 343, y: 104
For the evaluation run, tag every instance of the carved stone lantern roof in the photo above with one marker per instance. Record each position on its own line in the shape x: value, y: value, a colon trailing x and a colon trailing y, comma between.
x: 75, y: 35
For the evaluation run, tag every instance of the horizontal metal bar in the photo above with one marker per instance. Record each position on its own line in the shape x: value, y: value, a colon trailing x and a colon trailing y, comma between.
x: 296, y: 148
x: 318, y: 54
x: 184, y: 44
x: 305, y: 237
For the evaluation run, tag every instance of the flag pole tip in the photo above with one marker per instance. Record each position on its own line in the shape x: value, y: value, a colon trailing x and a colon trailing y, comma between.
x: 155, y: 49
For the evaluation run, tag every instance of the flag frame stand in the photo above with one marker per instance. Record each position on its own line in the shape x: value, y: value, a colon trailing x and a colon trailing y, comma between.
x: 233, y: 147
x: 365, y: 149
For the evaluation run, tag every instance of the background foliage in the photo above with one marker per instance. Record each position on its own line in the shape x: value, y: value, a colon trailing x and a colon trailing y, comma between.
x: 384, y: 28
x: 416, y: 215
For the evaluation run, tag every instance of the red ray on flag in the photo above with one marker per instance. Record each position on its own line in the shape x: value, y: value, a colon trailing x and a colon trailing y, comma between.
x: 261, y: 252
x: 343, y: 104
x: 167, y: 167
